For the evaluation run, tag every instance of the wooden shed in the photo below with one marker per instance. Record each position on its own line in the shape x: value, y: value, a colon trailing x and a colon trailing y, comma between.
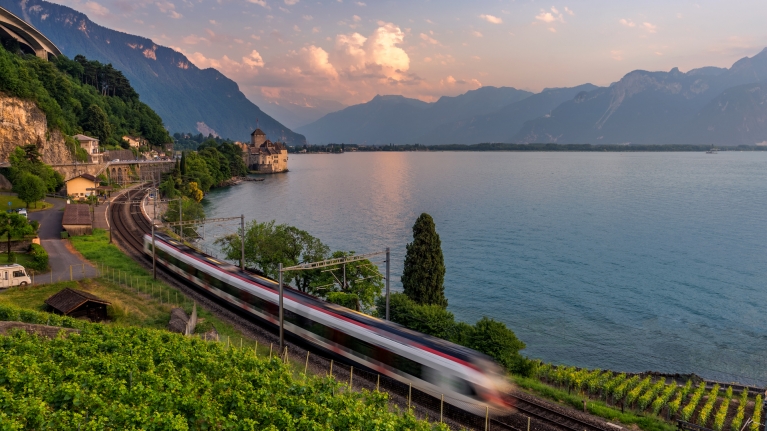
x: 77, y: 219
x: 76, y: 303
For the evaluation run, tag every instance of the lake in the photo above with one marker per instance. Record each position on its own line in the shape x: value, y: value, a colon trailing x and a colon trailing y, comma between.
x: 626, y: 261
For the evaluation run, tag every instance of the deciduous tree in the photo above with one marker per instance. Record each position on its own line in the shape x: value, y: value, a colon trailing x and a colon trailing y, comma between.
x: 29, y: 187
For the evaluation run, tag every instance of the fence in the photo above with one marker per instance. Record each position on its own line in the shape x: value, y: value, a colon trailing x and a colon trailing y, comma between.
x: 191, y: 324
x: 404, y: 395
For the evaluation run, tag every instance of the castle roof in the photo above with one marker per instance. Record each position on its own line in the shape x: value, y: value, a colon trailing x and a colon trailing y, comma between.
x: 258, y: 132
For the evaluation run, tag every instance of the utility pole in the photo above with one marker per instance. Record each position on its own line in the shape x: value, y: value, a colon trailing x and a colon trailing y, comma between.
x: 282, y: 333
x: 180, y: 219
x: 242, y: 242
x: 154, y: 255
x: 387, y: 282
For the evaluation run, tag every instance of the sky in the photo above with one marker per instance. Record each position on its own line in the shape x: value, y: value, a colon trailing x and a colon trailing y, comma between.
x: 348, y: 51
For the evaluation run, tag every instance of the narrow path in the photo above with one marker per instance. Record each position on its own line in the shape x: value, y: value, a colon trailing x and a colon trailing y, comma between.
x: 60, y: 255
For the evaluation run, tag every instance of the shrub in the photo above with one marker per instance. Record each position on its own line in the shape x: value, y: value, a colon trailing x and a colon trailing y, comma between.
x: 39, y: 260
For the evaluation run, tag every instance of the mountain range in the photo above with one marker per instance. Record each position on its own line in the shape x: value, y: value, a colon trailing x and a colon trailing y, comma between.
x: 186, y: 97
x: 708, y: 105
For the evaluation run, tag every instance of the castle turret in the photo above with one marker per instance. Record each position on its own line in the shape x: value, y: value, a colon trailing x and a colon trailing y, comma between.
x: 257, y: 138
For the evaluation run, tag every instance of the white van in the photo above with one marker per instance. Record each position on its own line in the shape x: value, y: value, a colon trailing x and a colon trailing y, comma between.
x: 23, y: 212
x: 13, y: 274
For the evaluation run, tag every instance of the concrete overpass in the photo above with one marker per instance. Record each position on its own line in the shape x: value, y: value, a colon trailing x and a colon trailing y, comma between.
x: 30, y: 40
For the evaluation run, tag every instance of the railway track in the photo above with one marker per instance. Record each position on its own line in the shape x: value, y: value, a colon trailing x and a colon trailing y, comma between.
x: 130, y: 226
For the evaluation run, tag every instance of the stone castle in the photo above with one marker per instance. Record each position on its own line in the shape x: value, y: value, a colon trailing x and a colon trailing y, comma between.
x: 263, y: 155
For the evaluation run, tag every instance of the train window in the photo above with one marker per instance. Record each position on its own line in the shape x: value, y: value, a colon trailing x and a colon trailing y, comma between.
x: 408, y: 366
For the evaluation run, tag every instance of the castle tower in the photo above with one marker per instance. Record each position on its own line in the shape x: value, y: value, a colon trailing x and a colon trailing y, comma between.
x: 257, y: 138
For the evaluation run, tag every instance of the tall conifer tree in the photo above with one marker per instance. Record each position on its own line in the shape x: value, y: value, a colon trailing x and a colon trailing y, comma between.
x: 424, y: 273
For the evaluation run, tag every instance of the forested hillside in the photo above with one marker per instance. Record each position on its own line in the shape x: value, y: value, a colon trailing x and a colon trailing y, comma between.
x: 81, y: 96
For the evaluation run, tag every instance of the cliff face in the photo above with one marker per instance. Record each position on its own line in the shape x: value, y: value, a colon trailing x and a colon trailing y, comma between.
x: 22, y: 123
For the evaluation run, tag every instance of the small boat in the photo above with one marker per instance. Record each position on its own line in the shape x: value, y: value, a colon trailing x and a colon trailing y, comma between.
x: 712, y: 151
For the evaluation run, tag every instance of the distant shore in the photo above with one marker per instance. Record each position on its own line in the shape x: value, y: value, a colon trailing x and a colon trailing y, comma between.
x: 343, y: 148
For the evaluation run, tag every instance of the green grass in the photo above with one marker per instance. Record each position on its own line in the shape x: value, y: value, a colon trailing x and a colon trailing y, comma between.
x: 22, y: 259
x: 598, y: 408
x: 17, y: 203
x: 120, y: 270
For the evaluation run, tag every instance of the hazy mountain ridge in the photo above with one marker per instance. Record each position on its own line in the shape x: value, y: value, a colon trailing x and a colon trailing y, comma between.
x: 401, y: 120
x: 182, y: 94
x: 706, y: 105
x: 663, y: 108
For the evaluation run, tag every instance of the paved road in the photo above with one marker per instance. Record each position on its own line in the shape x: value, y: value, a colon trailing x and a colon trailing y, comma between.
x: 60, y: 254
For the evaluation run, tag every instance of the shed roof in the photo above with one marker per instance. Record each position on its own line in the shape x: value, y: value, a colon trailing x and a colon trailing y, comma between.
x: 76, y: 214
x: 69, y: 300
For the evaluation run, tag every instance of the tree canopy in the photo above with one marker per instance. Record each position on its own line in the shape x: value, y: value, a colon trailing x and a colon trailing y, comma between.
x: 74, y: 93
x: 27, y: 160
x: 268, y: 244
x: 29, y: 188
x: 423, y: 274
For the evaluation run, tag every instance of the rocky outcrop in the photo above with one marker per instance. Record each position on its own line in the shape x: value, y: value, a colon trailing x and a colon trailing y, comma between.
x: 23, y: 123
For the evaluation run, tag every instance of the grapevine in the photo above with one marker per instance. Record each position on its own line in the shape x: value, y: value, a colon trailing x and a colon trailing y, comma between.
x: 756, y: 419
x: 721, y: 414
x: 634, y: 393
x: 650, y: 394
x: 109, y: 377
x: 663, y: 398
x: 737, y: 421
x: 689, y: 409
x: 705, y: 412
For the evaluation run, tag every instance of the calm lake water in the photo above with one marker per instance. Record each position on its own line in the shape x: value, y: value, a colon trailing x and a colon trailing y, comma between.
x: 627, y: 261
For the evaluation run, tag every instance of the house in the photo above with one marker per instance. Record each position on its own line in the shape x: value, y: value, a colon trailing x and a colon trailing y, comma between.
x: 265, y: 156
x: 76, y: 303
x: 135, y: 141
x: 79, y: 185
x: 91, y: 146
x: 77, y: 219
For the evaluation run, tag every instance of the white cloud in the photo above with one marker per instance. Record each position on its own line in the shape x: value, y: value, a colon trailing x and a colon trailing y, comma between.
x: 291, y: 2
x: 261, y: 3
x: 168, y: 8
x: 650, y: 28
x: 356, y: 18
x: 491, y: 19
x: 550, y: 17
x: 627, y: 22
x: 359, y: 3
x: 319, y: 61
x: 616, y: 55
x: 428, y: 39
x: 569, y: 11
x: 475, y: 33
x: 253, y: 59
x: 193, y: 39
x: 97, y: 9
x: 307, y: 17
x: 296, y: 28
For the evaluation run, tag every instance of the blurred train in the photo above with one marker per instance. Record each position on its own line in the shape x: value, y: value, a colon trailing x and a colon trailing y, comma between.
x: 468, y: 379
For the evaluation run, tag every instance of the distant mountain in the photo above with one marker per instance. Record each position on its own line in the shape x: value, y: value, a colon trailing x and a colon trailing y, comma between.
x: 186, y: 97
x: 501, y: 125
x: 397, y: 119
x: 296, y: 114
x: 703, y: 106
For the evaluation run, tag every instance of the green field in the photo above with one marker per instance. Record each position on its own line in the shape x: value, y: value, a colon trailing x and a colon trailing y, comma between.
x: 16, y: 203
